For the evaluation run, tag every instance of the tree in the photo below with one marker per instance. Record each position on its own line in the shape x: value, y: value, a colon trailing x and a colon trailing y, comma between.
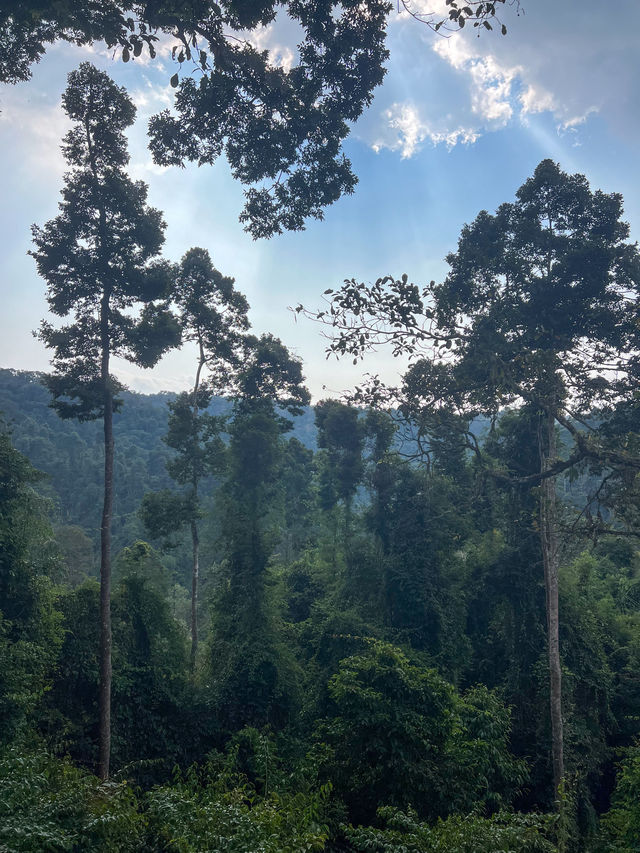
x: 214, y: 316
x: 30, y: 634
x: 341, y: 438
x: 539, y: 310
x: 281, y: 129
x: 99, y: 258
x: 250, y: 666
x: 402, y: 736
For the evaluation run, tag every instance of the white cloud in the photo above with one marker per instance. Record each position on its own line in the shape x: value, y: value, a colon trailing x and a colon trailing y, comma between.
x: 152, y: 97
x: 280, y: 38
x: 405, y: 131
x: 276, y: 40
x: 36, y: 130
x: 552, y: 61
x: 535, y: 99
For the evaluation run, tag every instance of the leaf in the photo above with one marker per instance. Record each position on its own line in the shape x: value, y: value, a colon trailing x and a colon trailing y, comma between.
x: 125, y: 54
x: 174, y: 81
x: 504, y: 30
x: 137, y: 48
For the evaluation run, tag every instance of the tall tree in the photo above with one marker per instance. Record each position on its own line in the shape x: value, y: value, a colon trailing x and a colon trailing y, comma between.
x: 248, y: 665
x: 213, y: 315
x: 281, y: 128
x: 540, y: 309
x: 99, y: 257
x: 341, y: 438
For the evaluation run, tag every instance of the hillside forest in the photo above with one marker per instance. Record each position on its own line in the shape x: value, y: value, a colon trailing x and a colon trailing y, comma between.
x: 403, y: 621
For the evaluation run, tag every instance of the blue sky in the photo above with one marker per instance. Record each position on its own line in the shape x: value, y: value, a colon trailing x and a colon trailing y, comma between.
x: 458, y: 125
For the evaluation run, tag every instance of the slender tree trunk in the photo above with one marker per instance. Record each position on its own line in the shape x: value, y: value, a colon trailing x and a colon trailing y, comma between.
x: 194, y: 594
x: 104, y: 694
x: 104, y: 701
x: 549, y: 542
x: 195, y: 541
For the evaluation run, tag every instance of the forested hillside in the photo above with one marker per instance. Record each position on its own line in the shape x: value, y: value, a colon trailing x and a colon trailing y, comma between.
x: 70, y: 453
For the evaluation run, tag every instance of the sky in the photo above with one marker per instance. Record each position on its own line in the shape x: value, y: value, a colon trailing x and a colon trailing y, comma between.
x: 458, y: 125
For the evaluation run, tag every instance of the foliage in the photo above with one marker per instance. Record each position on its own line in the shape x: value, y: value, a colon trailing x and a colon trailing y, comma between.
x: 397, y: 730
x: 99, y: 255
x: 30, y: 634
x: 402, y: 664
x: 504, y: 832
x: 69, y: 453
x: 47, y: 804
x: 341, y: 437
x: 203, y: 811
x: 281, y: 129
x: 622, y: 822
x: 548, y: 282
x: 253, y: 674
x: 537, y: 311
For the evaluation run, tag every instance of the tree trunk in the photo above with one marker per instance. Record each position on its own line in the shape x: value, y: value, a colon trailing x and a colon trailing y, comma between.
x: 195, y: 541
x: 194, y: 594
x: 104, y: 699
x: 549, y: 544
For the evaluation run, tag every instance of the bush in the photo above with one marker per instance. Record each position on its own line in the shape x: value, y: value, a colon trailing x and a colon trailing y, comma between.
x: 621, y: 824
x: 47, y: 804
x: 400, y: 735
x: 220, y: 812
x: 505, y: 832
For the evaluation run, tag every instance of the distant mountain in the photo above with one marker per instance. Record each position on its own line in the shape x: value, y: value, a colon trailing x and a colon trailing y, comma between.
x: 71, y: 453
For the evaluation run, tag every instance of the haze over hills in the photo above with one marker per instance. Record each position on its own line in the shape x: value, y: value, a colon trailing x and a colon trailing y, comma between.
x: 70, y: 453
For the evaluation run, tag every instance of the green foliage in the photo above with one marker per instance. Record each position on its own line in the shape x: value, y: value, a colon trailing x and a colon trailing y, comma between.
x: 30, y: 634
x: 300, y: 680
x: 69, y: 453
x: 70, y: 716
x: 221, y: 812
x: 253, y: 674
x: 164, y: 513
x: 423, y: 578
x: 159, y: 718
x: 622, y: 822
x: 47, y: 804
x: 401, y: 736
x: 341, y: 437
x: 505, y: 832
x: 297, y: 495
x: 154, y: 708
x: 104, y: 225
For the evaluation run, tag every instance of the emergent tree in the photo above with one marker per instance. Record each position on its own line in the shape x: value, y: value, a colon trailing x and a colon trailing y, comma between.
x: 213, y: 315
x: 539, y: 309
x: 99, y: 257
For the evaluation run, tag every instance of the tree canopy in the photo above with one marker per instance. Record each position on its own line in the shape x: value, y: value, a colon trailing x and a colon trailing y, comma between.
x: 281, y: 128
